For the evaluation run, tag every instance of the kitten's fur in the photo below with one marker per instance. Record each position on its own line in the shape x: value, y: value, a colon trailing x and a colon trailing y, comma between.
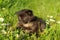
x: 30, y: 23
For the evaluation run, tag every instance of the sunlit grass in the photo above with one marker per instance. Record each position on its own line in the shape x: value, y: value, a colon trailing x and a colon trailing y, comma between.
x: 49, y: 10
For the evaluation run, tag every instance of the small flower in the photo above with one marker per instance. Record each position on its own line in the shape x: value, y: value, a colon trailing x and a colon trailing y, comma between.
x: 3, y: 8
x: 1, y: 19
x: 4, y: 24
x: 3, y: 31
x: 47, y: 22
x: 58, y: 22
x: 51, y: 16
x: 17, y: 35
x: 52, y: 20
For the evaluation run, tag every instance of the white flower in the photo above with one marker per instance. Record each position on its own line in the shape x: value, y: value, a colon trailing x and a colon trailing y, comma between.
x: 4, y: 24
x: 3, y: 31
x: 58, y: 22
x: 47, y: 22
x: 1, y: 19
x: 17, y: 35
x: 52, y: 20
x: 51, y: 16
x: 3, y: 8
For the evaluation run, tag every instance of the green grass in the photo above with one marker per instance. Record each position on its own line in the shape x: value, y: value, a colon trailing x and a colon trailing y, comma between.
x: 41, y: 8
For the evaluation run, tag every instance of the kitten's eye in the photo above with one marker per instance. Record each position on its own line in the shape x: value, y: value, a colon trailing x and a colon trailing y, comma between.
x: 22, y: 16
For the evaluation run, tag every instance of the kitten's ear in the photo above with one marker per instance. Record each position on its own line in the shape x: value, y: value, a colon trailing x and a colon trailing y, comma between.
x: 29, y: 12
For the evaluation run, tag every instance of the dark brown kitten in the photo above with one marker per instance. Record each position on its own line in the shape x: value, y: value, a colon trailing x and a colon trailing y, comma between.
x: 30, y: 23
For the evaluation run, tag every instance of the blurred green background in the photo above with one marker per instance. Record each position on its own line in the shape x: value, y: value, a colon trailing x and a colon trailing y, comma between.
x: 41, y: 8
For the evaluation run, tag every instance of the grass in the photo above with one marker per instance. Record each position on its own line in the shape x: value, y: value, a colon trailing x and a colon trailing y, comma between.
x: 41, y: 8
